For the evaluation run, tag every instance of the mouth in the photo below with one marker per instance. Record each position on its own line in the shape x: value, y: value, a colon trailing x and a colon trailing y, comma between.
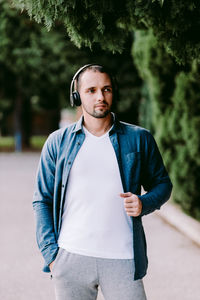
x: 101, y: 106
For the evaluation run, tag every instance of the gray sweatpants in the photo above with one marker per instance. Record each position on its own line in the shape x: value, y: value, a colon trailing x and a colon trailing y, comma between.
x: 77, y: 277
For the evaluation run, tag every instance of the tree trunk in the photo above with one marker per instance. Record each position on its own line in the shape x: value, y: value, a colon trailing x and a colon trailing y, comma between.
x: 17, y: 123
x: 22, y: 123
x: 26, y: 119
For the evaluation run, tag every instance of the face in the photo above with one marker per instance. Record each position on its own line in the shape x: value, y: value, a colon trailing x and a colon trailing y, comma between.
x: 96, y: 93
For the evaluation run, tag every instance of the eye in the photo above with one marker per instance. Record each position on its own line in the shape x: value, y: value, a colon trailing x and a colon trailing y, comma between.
x: 91, y: 91
x: 108, y: 89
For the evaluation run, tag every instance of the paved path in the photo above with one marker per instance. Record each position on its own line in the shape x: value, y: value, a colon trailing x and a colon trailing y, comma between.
x: 174, y: 261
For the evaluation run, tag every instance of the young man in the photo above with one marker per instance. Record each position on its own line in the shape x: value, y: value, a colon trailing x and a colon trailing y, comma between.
x: 88, y: 201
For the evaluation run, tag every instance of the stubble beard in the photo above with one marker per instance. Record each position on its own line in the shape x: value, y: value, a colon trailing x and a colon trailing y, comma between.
x: 98, y: 113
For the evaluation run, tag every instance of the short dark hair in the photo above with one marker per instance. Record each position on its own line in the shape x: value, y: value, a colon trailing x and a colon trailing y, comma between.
x: 95, y: 68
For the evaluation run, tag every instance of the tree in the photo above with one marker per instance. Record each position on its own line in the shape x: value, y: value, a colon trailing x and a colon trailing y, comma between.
x: 183, y: 131
x: 158, y: 70
x: 175, y: 23
x: 173, y: 96
x: 23, y: 64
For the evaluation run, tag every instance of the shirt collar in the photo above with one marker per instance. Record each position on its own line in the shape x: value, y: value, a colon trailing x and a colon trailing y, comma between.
x: 116, y: 126
x: 78, y: 125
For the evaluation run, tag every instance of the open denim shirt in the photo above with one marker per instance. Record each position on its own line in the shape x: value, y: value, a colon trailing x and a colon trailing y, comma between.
x: 140, y: 164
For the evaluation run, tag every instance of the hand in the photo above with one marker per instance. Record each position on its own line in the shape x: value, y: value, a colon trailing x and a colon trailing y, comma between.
x: 51, y: 265
x: 132, y: 204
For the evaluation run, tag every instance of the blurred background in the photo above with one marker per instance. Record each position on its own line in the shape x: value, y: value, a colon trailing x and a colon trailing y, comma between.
x: 158, y: 76
x: 153, y: 48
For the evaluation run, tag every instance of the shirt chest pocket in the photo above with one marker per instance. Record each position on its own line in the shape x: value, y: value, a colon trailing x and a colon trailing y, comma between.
x: 132, y: 168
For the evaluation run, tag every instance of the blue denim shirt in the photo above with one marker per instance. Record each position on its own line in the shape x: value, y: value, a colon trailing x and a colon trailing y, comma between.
x: 140, y: 164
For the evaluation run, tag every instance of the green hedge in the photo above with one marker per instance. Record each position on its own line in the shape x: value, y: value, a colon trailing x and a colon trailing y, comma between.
x: 8, y: 143
x: 173, y: 94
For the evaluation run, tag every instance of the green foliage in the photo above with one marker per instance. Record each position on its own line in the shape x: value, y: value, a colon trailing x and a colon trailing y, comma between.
x: 176, y: 23
x: 173, y: 95
x: 29, y: 57
x: 37, y: 142
x: 30, y: 61
x: 7, y: 143
x: 158, y: 70
x: 83, y: 20
x: 184, y: 132
x: 160, y: 1
x: 145, y: 113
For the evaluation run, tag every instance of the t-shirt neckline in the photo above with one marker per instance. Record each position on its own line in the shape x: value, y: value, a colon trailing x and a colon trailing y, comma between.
x: 88, y: 133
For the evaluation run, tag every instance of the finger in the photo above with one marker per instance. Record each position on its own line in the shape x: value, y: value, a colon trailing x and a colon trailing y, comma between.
x: 128, y: 200
x: 132, y: 209
x: 131, y: 205
x: 131, y: 214
x: 131, y: 200
x: 128, y: 205
x: 124, y: 195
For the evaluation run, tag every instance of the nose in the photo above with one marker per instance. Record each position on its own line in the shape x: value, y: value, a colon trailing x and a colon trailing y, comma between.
x: 100, y: 95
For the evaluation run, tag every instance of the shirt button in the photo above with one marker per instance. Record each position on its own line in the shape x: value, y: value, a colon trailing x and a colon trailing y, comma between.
x: 69, y: 162
x: 63, y: 186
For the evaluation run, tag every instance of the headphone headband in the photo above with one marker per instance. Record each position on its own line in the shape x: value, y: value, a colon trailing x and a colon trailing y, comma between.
x: 81, y: 69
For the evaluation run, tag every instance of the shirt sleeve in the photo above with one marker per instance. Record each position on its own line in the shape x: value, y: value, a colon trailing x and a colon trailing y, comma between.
x: 43, y: 201
x: 155, y: 179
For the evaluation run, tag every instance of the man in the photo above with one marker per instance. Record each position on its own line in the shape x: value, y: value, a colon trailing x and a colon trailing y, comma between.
x: 88, y: 201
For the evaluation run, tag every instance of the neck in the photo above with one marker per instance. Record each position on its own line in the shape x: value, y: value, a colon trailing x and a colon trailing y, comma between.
x: 97, y: 126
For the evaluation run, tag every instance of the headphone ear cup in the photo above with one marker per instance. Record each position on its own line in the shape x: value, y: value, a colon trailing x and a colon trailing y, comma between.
x: 76, y: 98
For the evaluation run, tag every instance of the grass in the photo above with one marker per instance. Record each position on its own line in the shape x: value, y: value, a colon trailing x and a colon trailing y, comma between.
x: 37, y: 142
x: 8, y: 143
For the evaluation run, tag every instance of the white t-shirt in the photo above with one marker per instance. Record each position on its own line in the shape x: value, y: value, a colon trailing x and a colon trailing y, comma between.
x: 94, y: 221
